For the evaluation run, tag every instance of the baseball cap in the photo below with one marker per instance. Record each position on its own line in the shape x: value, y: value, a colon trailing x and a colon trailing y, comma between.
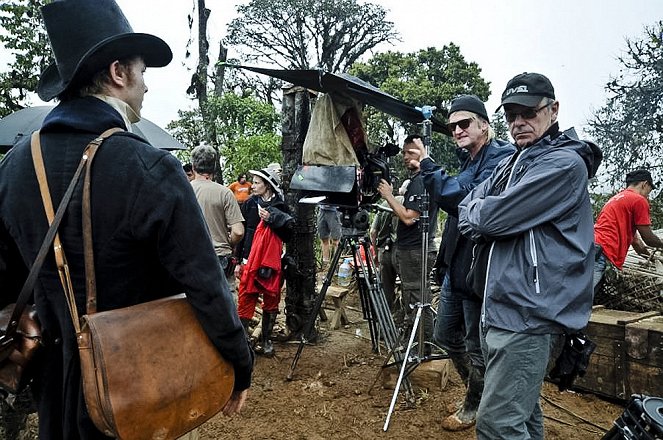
x: 469, y: 103
x: 527, y: 89
x: 640, y: 175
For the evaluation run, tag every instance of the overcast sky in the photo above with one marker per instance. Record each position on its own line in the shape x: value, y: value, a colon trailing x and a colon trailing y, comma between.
x: 573, y: 42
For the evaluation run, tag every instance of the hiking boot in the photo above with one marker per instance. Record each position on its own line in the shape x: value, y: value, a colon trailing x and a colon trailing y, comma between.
x: 466, y: 416
x: 266, y: 348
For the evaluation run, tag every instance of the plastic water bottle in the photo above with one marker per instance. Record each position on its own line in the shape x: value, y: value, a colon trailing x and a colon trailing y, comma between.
x: 345, y: 273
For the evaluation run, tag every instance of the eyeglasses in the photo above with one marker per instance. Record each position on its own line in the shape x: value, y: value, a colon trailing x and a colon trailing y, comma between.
x: 526, y: 113
x: 463, y: 124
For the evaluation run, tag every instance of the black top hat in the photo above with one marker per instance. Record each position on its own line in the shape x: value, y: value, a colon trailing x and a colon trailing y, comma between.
x: 87, y: 35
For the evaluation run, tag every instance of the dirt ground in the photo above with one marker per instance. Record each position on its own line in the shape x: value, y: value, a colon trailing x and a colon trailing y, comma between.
x: 330, y: 398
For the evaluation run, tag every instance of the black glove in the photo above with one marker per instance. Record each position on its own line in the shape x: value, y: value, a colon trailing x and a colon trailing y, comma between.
x: 573, y: 361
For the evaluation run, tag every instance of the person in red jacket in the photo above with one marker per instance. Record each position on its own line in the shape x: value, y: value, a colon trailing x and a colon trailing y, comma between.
x: 615, y: 229
x: 268, y: 225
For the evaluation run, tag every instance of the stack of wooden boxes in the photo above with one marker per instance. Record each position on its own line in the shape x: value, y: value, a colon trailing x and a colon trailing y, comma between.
x: 629, y: 355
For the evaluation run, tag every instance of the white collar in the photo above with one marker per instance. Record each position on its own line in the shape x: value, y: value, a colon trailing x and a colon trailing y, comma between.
x: 128, y: 114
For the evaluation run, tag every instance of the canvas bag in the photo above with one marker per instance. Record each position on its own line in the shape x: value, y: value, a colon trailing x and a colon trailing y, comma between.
x: 149, y: 370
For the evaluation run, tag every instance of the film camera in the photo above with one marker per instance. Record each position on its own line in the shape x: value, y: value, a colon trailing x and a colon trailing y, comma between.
x: 346, y: 186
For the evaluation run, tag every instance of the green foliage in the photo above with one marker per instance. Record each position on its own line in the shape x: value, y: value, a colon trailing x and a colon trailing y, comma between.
x: 629, y: 127
x: 24, y: 36
x: 499, y: 126
x: 305, y: 34
x: 427, y: 77
x: 243, y: 128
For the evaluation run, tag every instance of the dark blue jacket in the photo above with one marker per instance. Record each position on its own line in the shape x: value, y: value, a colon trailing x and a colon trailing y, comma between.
x: 447, y: 191
x: 150, y: 241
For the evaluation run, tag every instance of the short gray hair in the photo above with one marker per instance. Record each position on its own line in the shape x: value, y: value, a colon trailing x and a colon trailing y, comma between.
x: 203, y: 159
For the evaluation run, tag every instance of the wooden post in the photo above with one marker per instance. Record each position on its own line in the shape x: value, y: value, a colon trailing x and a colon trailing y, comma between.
x: 300, y: 275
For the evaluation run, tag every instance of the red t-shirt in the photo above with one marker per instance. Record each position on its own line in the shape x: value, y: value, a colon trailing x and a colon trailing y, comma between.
x: 616, y: 224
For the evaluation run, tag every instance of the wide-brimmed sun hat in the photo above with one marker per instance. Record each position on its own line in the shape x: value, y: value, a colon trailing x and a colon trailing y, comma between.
x: 270, y: 176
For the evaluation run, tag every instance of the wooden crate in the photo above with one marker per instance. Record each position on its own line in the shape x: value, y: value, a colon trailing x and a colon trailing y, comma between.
x: 608, y: 371
x: 644, y: 353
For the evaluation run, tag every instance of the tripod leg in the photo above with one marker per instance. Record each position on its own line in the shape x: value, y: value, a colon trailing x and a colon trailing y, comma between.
x: 403, y: 367
x: 308, y: 328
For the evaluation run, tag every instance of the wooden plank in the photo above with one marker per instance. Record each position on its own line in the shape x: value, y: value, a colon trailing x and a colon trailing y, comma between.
x: 645, y: 341
x: 645, y: 379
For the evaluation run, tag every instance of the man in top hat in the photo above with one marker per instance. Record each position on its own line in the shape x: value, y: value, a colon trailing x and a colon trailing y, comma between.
x: 535, y: 213
x: 150, y: 239
x: 457, y: 323
x: 624, y: 214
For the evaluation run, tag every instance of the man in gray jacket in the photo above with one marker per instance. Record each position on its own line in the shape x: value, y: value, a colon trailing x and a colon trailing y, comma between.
x: 535, y: 212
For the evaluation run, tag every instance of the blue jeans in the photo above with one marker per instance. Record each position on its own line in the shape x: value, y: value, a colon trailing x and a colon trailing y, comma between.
x: 599, y: 266
x: 457, y: 325
x: 516, y: 364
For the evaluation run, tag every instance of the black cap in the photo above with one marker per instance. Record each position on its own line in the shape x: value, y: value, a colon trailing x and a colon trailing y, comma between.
x: 640, y: 176
x: 527, y: 89
x: 469, y: 103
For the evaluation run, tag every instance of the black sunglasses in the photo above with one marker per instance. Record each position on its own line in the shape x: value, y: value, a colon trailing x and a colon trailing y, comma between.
x: 463, y: 124
x: 526, y: 113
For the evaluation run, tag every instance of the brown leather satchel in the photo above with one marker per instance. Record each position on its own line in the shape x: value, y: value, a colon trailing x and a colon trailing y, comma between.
x: 20, y: 330
x: 149, y: 370
x: 19, y: 348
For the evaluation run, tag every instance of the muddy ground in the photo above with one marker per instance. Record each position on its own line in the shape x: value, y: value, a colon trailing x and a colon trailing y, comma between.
x: 330, y: 398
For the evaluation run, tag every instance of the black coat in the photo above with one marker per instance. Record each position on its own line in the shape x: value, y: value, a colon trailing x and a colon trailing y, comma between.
x: 150, y: 241
x: 280, y: 221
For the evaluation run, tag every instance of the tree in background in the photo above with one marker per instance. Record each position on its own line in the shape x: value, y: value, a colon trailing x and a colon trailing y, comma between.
x: 243, y: 128
x: 307, y: 34
x: 629, y: 127
x: 427, y: 77
x: 24, y: 36
x: 498, y: 123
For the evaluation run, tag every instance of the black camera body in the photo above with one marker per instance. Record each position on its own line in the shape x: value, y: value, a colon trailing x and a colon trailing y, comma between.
x: 347, y: 186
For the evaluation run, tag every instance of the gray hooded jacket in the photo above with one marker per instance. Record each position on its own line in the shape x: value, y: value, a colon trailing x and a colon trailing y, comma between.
x: 539, y: 275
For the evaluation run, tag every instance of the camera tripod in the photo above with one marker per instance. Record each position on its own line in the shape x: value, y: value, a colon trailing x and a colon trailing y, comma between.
x: 424, y: 309
x: 373, y: 301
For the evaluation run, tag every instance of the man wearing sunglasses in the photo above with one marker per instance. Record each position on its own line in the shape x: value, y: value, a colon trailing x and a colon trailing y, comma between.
x: 457, y: 323
x: 535, y: 212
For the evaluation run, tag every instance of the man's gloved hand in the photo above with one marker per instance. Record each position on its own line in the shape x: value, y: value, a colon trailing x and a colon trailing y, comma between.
x: 573, y: 361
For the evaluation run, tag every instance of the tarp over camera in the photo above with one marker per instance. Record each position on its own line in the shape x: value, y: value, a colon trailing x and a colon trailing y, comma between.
x: 358, y: 89
x: 327, y: 141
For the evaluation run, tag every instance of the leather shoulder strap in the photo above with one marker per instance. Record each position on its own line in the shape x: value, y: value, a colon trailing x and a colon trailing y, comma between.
x: 88, y: 249
x: 30, y: 281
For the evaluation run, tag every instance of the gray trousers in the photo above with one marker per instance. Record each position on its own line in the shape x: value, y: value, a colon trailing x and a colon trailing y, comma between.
x: 516, y: 364
x: 409, y: 269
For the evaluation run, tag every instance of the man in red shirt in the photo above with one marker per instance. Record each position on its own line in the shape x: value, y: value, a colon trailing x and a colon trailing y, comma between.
x: 624, y: 214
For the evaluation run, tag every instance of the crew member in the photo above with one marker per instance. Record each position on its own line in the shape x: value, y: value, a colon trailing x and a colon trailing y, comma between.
x: 624, y: 214
x: 536, y: 213
x: 409, y: 237
x: 457, y: 323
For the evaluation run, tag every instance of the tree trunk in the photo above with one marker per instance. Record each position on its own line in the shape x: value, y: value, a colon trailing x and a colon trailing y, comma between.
x: 220, y: 70
x: 203, y: 57
x: 300, y: 276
